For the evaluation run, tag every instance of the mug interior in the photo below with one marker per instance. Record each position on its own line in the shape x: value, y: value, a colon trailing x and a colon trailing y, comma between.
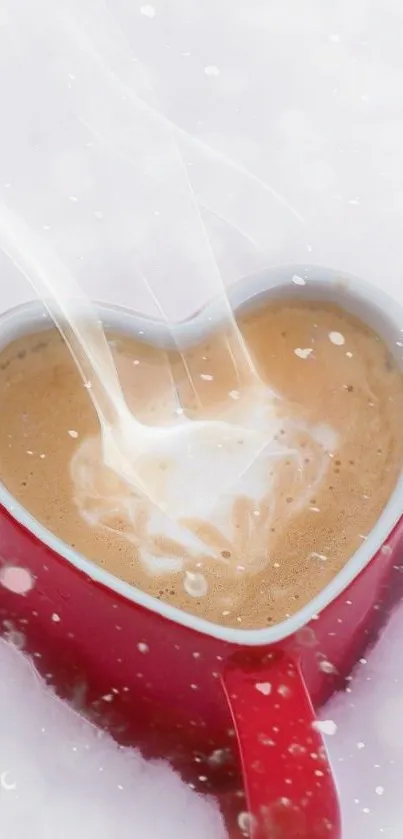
x: 371, y: 305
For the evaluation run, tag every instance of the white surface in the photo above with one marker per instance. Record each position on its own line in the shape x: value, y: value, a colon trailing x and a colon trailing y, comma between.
x: 367, y: 747
x: 301, y: 103
x: 307, y: 98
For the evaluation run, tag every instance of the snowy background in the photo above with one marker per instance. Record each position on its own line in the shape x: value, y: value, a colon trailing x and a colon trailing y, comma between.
x: 128, y: 130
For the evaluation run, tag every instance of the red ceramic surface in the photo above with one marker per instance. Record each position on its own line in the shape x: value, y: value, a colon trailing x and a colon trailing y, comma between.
x: 211, y: 700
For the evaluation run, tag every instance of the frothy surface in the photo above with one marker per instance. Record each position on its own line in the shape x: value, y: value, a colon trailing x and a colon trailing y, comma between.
x: 332, y: 456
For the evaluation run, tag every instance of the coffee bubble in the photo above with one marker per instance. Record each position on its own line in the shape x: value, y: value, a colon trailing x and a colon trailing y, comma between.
x: 195, y: 585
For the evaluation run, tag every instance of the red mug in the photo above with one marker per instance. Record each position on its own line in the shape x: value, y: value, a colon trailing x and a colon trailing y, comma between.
x: 210, y: 698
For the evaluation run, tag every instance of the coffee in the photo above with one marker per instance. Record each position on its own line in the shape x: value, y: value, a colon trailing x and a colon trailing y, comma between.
x: 299, y: 513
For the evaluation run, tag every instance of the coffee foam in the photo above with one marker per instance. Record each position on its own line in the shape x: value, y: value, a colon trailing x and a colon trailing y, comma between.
x: 233, y: 529
x: 332, y: 418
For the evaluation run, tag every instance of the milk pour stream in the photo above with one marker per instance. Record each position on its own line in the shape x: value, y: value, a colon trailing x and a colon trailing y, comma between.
x: 205, y: 455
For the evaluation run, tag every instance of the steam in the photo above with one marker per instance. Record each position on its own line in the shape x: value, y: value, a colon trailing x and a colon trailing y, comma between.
x: 104, y: 90
x: 130, y: 448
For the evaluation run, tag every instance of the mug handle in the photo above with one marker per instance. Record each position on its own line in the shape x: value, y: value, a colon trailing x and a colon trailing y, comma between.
x: 289, y: 787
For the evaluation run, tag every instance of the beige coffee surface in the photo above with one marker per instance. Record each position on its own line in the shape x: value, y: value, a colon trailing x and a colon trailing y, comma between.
x: 338, y: 406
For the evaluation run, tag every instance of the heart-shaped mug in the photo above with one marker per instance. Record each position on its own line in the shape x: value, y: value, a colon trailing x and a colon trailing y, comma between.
x: 210, y: 698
